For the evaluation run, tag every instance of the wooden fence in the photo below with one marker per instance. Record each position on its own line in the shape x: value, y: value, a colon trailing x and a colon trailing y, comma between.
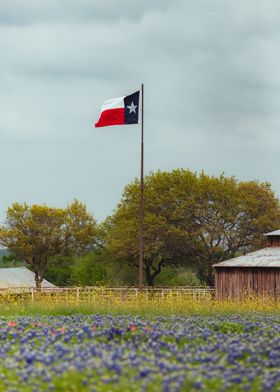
x: 107, y: 294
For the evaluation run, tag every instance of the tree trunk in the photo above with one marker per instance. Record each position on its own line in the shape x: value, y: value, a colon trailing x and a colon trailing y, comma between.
x: 149, y: 278
x: 38, y: 279
x: 205, y: 272
x: 151, y: 272
x: 210, y: 276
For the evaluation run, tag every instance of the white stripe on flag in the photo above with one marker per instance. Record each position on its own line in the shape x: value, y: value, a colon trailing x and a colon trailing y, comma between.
x: 114, y: 103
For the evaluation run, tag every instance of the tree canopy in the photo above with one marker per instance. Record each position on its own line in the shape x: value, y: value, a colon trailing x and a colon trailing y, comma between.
x: 36, y: 233
x: 191, y: 219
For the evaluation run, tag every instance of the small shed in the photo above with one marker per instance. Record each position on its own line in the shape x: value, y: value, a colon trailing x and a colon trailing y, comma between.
x: 19, y: 277
x: 254, y: 273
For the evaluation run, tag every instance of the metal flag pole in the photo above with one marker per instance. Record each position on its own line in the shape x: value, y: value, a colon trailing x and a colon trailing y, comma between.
x: 141, y: 245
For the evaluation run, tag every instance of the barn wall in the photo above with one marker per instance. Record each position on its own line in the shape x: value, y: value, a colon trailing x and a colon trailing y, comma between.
x: 273, y: 241
x: 237, y: 282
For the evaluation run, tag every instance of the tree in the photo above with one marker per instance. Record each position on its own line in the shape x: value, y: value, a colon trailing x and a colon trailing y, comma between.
x: 36, y: 233
x: 190, y: 220
x: 229, y: 217
x: 59, y: 270
x: 166, y: 241
x: 10, y: 260
x: 86, y: 270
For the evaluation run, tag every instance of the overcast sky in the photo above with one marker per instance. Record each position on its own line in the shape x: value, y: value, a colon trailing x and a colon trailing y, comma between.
x: 211, y: 71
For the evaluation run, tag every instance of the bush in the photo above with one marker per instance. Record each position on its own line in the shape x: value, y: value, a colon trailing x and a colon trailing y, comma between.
x: 87, y: 271
x: 76, y: 271
x: 170, y: 276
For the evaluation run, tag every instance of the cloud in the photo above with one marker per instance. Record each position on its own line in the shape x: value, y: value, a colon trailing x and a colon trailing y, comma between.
x: 31, y: 12
x: 211, y: 74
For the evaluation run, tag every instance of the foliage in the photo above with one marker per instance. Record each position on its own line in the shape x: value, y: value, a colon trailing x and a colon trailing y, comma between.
x: 59, y: 269
x: 166, y: 243
x: 229, y: 216
x: 119, y: 273
x: 87, y: 271
x: 98, y: 268
x: 171, y: 276
x: 90, y: 269
x: 37, y: 233
x: 229, y: 327
x: 10, y: 260
x: 190, y: 220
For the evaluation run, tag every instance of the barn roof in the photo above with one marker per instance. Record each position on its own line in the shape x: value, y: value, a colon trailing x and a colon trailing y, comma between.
x: 275, y: 232
x: 19, y: 277
x: 267, y: 257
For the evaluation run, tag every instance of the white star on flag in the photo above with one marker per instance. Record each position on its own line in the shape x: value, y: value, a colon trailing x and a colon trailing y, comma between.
x: 132, y: 108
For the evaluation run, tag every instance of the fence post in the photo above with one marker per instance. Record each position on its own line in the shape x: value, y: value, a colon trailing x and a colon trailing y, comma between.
x: 78, y: 294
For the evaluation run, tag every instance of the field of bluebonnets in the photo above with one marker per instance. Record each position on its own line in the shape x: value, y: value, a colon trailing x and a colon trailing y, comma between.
x: 199, y: 345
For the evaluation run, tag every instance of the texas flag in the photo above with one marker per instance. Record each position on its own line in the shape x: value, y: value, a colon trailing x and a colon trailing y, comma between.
x: 120, y: 111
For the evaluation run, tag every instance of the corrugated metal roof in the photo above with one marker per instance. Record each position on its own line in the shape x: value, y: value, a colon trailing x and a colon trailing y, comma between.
x: 275, y: 232
x: 267, y: 257
x: 19, y: 277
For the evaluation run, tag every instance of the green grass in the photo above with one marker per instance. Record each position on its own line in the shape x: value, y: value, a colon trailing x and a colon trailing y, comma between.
x: 146, y: 309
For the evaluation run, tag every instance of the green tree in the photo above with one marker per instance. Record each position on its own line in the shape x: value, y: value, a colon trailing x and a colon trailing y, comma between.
x: 171, y: 276
x: 10, y: 260
x: 190, y: 220
x: 228, y: 217
x: 36, y: 233
x: 58, y: 271
x: 87, y: 271
x: 166, y: 240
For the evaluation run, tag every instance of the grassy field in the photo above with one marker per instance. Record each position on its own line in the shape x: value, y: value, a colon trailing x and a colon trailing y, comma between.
x: 170, y: 304
x: 154, y: 344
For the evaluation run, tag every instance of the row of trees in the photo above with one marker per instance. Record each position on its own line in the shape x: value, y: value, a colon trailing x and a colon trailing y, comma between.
x: 191, y: 220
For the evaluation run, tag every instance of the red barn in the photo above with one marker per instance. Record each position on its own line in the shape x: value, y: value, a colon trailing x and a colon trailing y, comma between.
x: 256, y: 272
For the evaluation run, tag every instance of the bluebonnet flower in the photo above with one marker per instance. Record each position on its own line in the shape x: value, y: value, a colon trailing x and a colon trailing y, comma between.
x: 158, y: 354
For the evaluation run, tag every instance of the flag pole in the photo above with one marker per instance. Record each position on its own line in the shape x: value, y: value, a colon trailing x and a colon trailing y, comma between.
x: 141, y: 245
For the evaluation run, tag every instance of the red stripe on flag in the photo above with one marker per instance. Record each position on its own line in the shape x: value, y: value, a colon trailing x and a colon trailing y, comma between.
x: 111, y: 117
